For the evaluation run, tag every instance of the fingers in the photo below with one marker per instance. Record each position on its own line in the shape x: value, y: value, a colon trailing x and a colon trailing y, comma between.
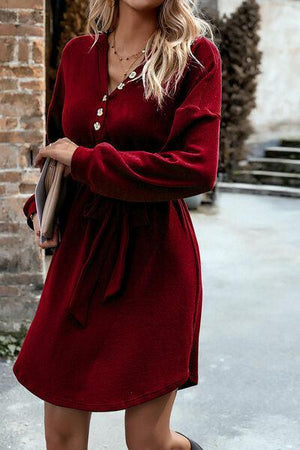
x: 52, y: 242
x: 61, y: 150
x: 39, y: 161
x: 43, y: 153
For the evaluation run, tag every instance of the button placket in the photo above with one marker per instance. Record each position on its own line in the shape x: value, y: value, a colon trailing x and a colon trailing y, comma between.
x: 122, y: 84
x: 100, y: 113
x: 100, y: 110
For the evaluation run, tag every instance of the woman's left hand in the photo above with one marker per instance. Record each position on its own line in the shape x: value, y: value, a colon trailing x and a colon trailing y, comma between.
x: 61, y: 150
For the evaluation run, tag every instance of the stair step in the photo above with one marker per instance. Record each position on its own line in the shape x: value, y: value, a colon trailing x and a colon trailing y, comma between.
x: 290, y: 142
x: 267, y: 177
x: 274, y: 164
x: 260, y: 189
x: 282, y: 152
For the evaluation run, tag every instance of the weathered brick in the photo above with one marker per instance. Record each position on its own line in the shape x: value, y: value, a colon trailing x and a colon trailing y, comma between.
x: 31, y: 17
x: 25, y: 188
x: 10, y: 176
x: 11, y: 208
x: 22, y: 136
x: 22, y: 72
x: 7, y: 47
x: 24, y: 4
x: 23, y: 311
x: 23, y: 50
x: 8, y: 123
x: 30, y: 176
x: 27, y: 154
x: 32, y: 122
x: 14, y: 249
x: 11, y: 189
x: 29, y: 279
x: 9, y: 291
x: 10, y: 29
x: 8, y: 156
x: 34, y: 85
x: 7, y: 84
x: 20, y: 104
x: 38, y: 52
x: 8, y: 16
x: 11, y: 227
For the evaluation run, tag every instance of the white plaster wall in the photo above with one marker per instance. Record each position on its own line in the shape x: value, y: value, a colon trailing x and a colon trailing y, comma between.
x: 278, y: 94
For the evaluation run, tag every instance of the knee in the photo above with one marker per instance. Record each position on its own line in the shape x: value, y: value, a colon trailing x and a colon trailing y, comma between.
x: 62, y: 440
x: 56, y: 440
x: 65, y: 428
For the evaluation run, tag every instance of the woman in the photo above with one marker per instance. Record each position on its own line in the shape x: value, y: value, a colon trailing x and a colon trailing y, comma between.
x: 135, y: 118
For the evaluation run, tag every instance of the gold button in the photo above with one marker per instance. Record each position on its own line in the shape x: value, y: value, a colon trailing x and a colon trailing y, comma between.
x: 132, y: 74
x: 104, y: 97
x: 100, y: 112
x: 97, y: 125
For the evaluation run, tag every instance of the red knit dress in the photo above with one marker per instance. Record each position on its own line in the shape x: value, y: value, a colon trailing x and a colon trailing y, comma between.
x: 118, y: 319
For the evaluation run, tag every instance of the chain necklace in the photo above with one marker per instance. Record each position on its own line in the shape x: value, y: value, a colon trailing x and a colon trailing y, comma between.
x: 138, y: 54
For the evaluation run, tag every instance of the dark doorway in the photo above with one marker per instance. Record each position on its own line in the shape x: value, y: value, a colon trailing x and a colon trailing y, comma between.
x: 54, y: 15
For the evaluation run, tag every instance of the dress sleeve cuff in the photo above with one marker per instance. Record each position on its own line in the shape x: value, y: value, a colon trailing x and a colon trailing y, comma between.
x: 79, y: 163
x: 30, y: 209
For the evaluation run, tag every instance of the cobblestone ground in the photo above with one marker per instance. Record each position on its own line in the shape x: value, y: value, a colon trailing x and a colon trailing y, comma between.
x: 247, y: 397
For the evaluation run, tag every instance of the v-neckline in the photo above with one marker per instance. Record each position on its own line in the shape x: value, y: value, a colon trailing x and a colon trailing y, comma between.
x: 105, y: 68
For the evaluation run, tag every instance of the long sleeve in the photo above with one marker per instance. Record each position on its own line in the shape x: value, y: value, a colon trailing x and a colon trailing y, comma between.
x: 187, y: 163
x: 53, y: 130
x: 28, y: 208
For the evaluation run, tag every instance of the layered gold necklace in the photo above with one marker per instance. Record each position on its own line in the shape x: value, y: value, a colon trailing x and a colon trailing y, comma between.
x: 135, y: 55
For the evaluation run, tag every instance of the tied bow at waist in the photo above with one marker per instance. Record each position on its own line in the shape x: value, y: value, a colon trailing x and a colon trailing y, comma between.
x: 104, y: 270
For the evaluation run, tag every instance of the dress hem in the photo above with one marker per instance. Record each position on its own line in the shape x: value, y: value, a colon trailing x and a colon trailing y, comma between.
x: 183, y: 383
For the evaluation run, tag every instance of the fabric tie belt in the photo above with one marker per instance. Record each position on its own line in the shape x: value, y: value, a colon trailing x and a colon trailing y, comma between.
x: 104, y: 271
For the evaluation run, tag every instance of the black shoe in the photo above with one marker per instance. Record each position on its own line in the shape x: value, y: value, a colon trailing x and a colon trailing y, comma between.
x: 194, y: 445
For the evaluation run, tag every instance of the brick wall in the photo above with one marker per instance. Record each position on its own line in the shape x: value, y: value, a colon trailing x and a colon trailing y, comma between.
x: 22, y: 119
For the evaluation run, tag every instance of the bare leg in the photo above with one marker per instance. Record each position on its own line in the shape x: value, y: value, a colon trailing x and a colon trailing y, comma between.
x: 147, y: 426
x: 66, y: 428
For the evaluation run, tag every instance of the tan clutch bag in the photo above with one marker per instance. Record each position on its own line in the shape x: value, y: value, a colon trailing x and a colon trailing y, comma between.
x: 50, y: 196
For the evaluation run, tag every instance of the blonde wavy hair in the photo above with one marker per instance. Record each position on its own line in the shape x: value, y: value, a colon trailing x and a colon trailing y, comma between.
x: 168, y: 49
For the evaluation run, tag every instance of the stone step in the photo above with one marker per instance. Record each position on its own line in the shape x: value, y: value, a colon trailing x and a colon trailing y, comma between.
x: 260, y: 189
x: 290, y: 142
x: 274, y: 164
x: 267, y: 177
x: 282, y: 152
